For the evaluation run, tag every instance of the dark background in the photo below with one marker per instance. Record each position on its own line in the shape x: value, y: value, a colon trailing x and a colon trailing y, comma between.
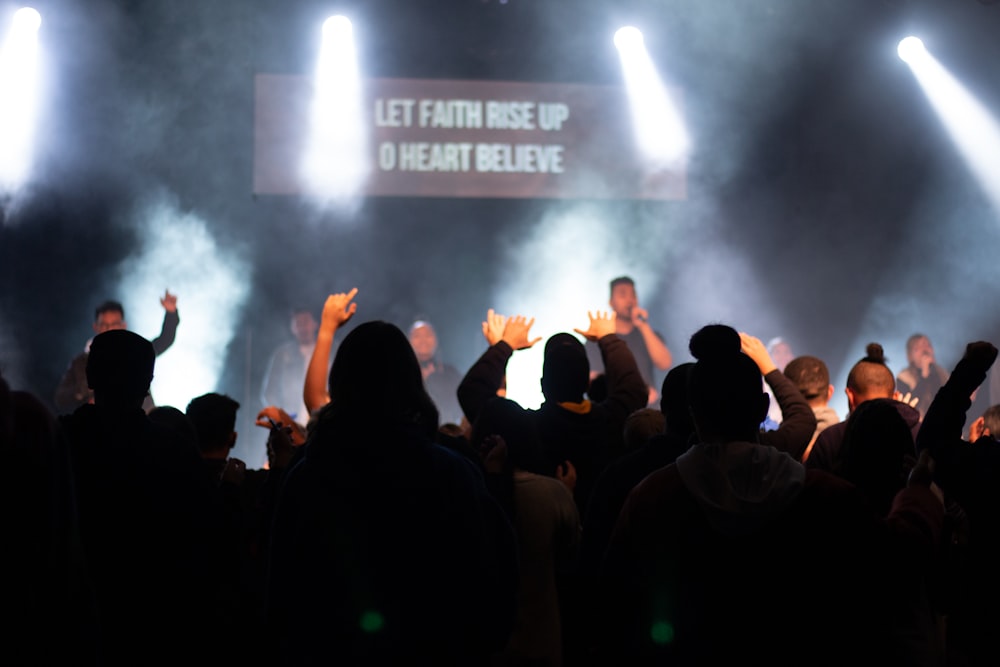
x: 826, y: 204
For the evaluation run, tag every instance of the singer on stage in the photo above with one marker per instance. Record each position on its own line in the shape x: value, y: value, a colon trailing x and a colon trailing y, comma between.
x: 632, y: 324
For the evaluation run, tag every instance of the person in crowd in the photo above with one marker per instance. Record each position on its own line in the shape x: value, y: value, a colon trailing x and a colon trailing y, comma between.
x: 386, y: 547
x: 967, y: 471
x: 147, y: 514
x: 812, y: 378
x: 570, y: 427
x: 73, y: 390
x: 546, y: 523
x: 698, y: 567
x: 923, y: 376
x: 867, y: 380
x: 798, y: 421
x: 441, y: 379
x: 286, y: 370
x: 987, y: 425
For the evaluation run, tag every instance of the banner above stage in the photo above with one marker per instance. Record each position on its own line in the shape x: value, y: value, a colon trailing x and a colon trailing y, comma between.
x: 438, y: 138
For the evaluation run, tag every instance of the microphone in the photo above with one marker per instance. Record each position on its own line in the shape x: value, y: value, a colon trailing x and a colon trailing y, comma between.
x: 641, y: 317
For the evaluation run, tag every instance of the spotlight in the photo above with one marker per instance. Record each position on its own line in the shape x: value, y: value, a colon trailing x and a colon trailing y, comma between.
x: 27, y: 18
x: 628, y: 38
x: 910, y: 49
x: 337, y: 27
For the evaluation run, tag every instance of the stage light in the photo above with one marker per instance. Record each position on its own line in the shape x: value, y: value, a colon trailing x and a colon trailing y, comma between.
x: 336, y: 161
x: 628, y: 37
x: 659, y: 130
x: 971, y: 126
x: 910, y: 49
x: 19, y: 91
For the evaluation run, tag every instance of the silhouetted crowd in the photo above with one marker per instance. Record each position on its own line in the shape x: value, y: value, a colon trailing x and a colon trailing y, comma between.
x: 593, y: 530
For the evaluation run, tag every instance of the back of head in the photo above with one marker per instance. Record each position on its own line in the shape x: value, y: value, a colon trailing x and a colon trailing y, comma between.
x: 877, y: 442
x: 870, y: 377
x: 642, y: 425
x: 375, y: 381
x: 175, y: 421
x: 120, y: 366
x: 565, y: 370
x: 810, y: 375
x: 724, y: 387
x: 214, y: 419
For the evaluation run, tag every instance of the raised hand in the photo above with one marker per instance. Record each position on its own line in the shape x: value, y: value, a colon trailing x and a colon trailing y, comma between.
x: 169, y: 302
x: 338, y: 309
x: 601, y: 324
x: 493, y: 327
x: 756, y: 350
x: 517, y: 331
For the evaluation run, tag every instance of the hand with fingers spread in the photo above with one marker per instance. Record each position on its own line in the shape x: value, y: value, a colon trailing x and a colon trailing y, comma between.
x: 907, y: 398
x: 493, y: 327
x: 754, y: 348
x: 517, y: 332
x: 601, y: 324
x: 338, y: 309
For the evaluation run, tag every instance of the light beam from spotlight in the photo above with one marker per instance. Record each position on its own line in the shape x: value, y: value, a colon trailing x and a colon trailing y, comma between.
x: 972, y: 128
x: 659, y: 129
x: 19, y: 87
x: 336, y: 161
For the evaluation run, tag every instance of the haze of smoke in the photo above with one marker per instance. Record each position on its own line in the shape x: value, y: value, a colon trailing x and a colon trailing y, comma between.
x: 180, y: 253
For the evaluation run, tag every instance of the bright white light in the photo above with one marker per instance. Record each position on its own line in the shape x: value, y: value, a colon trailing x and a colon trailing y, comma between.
x: 628, y: 38
x: 972, y: 128
x: 336, y: 162
x: 19, y: 85
x: 27, y: 18
x: 911, y: 49
x: 338, y: 27
x: 180, y: 253
x: 659, y: 129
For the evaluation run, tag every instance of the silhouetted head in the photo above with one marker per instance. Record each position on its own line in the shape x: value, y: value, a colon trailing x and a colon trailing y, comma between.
x: 877, y: 442
x: 565, y: 369
x: 870, y: 378
x: 811, y: 377
x: 375, y: 381
x: 642, y: 425
x: 724, y: 388
x: 214, y: 418
x: 120, y: 367
x: 176, y: 422
x: 674, y: 401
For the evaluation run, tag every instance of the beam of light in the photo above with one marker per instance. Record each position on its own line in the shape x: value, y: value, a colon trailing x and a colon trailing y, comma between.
x: 659, y: 129
x: 19, y: 88
x: 972, y: 128
x: 211, y: 282
x: 336, y: 162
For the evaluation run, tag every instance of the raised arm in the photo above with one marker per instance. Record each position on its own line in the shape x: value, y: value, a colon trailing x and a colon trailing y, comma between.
x: 504, y: 335
x: 168, y: 332
x: 338, y: 309
x: 941, y: 430
x: 798, y: 421
x: 626, y: 388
